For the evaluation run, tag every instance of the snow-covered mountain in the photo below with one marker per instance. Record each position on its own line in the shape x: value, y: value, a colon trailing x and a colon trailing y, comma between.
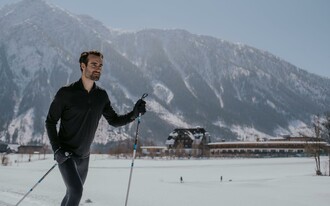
x: 230, y: 89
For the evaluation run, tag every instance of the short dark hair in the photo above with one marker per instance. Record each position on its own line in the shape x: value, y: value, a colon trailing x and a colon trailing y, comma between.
x: 84, y: 56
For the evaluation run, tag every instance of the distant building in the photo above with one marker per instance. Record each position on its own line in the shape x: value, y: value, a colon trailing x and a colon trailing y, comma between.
x: 280, y: 147
x: 4, y: 147
x: 153, y: 150
x: 31, y: 149
x: 13, y: 147
x: 188, y: 141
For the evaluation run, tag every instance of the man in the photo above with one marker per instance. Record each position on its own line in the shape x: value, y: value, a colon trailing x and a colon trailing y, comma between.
x: 79, y: 108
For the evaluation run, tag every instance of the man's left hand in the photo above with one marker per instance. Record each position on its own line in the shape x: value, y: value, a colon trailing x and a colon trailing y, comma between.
x: 139, y: 108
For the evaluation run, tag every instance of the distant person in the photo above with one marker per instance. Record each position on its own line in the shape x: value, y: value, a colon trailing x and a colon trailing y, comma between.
x: 79, y: 107
x: 181, y: 179
x: 221, y: 179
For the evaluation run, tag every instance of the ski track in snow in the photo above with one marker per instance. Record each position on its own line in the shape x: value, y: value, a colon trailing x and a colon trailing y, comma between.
x: 248, y: 182
x: 12, y: 198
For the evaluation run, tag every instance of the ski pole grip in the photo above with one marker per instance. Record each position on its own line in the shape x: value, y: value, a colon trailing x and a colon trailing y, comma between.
x: 144, y: 95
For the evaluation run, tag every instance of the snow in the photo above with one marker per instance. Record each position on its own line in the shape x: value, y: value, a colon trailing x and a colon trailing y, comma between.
x: 174, y: 119
x: 271, y: 104
x: 163, y: 92
x: 188, y: 86
x: 246, y: 133
x: 248, y: 182
x: 23, y: 125
x: 295, y: 128
x: 237, y: 72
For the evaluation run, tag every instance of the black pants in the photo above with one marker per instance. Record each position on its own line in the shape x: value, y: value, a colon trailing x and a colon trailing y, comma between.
x: 74, y: 173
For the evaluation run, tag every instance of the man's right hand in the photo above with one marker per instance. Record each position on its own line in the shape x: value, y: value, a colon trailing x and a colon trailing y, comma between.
x: 61, y: 156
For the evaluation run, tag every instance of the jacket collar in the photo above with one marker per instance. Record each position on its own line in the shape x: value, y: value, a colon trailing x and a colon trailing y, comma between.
x: 80, y: 85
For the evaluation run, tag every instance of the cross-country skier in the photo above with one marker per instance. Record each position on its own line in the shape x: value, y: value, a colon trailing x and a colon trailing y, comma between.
x: 79, y: 107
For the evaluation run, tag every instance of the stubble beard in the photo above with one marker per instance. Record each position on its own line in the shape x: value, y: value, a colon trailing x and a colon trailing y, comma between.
x: 95, y: 76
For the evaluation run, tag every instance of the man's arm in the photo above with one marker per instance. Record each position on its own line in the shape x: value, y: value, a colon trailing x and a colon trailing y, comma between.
x: 119, y: 120
x: 54, y: 114
x: 114, y: 119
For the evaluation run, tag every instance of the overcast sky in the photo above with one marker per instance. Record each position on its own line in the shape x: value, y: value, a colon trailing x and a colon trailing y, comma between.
x: 297, y: 31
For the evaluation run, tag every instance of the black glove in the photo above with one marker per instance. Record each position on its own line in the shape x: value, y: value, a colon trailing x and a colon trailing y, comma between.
x: 61, y: 156
x: 139, y: 107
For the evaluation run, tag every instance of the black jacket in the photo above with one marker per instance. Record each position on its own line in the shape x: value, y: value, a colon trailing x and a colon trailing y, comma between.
x: 79, y: 113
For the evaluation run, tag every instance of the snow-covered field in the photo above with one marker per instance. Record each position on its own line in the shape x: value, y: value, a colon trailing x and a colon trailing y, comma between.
x: 246, y: 182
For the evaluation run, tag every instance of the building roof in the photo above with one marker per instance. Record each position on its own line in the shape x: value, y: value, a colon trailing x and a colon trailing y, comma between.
x: 266, y: 142
x: 153, y: 147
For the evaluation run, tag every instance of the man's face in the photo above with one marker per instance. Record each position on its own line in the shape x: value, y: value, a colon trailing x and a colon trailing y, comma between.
x: 93, y: 69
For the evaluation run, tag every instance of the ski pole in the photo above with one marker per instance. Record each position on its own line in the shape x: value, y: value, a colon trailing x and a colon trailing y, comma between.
x: 134, y: 151
x: 36, y: 184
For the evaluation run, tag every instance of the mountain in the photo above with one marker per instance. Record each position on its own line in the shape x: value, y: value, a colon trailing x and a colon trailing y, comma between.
x: 232, y: 90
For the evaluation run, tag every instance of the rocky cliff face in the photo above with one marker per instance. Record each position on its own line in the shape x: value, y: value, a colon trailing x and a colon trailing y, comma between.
x: 231, y: 90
